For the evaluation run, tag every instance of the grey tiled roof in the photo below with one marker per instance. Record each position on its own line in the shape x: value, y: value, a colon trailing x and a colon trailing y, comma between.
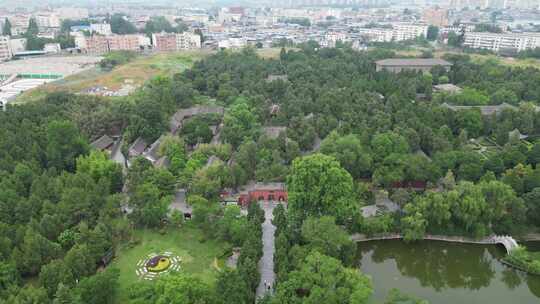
x: 413, y: 62
x: 102, y: 143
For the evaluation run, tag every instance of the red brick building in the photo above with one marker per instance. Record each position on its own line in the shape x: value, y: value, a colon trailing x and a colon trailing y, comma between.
x: 97, y: 44
x: 258, y: 192
x: 123, y: 42
x: 164, y: 42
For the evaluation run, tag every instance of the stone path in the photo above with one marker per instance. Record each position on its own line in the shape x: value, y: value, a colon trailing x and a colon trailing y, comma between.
x: 266, y: 264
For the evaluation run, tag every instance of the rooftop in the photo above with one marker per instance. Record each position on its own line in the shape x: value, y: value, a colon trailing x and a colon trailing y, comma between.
x: 485, y: 110
x: 102, y: 143
x: 412, y: 62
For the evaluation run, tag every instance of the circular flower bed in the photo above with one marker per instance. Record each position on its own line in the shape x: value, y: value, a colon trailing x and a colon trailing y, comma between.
x: 158, y: 263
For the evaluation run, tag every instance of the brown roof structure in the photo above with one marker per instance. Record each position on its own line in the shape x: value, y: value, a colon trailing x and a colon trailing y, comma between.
x: 105, y: 142
x: 178, y: 118
x: 485, y: 110
x: 138, y: 147
x: 273, y: 132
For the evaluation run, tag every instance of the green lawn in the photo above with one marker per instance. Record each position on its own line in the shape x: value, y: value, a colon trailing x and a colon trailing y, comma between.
x: 197, y: 257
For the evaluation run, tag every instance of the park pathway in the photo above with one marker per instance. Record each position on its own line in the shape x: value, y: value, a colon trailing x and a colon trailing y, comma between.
x: 266, y: 264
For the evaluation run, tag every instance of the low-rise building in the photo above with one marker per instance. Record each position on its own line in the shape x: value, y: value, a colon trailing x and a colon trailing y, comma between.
x: 101, y: 28
x: 164, y: 42
x: 97, y: 44
x: 167, y: 42
x: 52, y: 48
x: 187, y: 41
x: 398, y: 32
x: 417, y: 64
x: 232, y: 43
x: 123, y: 42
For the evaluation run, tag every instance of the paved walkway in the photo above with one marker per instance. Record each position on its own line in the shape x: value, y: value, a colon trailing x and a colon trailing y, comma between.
x: 266, y: 264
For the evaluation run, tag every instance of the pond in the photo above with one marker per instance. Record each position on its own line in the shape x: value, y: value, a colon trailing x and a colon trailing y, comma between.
x: 446, y: 273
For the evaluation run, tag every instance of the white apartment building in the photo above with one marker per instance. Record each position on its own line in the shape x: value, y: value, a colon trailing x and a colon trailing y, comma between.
x: 409, y: 31
x: 495, y: 42
x: 80, y: 39
x: 47, y: 20
x: 187, y: 41
x: 398, y: 32
x: 376, y: 34
x: 5, y: 48
x: 101, y: 28
x: 52, y: 48
x: 74, y: 13
x: 232, y: 43
x: 201, y: 18
x: 168, y: 42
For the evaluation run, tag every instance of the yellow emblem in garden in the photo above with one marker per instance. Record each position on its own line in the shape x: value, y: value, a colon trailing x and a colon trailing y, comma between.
x: 158, y: 263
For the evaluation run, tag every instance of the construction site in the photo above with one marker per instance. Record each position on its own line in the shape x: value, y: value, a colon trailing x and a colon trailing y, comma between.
x: 19, y: 76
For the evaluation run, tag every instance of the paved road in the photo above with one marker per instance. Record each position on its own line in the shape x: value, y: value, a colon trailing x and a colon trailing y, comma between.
x: 266, y: 264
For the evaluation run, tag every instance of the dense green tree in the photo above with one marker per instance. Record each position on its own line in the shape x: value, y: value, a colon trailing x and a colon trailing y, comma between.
x: 323, y: 235
x: 413, y: 226
x: 98, y: 166
x: 53, y: 274
x: 196, y: 131
x: 9, y: 277
x: 432, y: 33
x: 35, y: 251
x: 350, y: 153
x: 65, y: 295
x: 120, y: 25
x: 322, y: 279
x: 231, y: 288
x: 6, y: 29
x: 385, y: 144
x: 100, y: 288
x: 30, y: 295
x: 79, y: 260
x: 64, y: 145
x: 239, y: 123
x: 183, y: 288
x: 454, y: 39
x: 317, y: 186
x: 150, y: 209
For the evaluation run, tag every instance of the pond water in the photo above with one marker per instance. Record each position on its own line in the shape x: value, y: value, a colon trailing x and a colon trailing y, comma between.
x: 446, y: 273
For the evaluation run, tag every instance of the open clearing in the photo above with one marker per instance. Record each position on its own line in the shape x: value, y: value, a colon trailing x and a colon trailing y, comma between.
x: 198, y: 257
x: 478, y: 58
x: 135, y: 72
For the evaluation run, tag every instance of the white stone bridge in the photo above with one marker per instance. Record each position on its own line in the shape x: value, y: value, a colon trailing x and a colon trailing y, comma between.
x: 507, y: 241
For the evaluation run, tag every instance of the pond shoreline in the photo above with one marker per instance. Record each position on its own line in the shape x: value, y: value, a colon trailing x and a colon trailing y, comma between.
x: 358, y: 237
x: 517, y: 267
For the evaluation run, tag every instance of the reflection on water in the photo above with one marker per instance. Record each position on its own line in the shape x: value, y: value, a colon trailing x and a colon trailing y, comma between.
x: 446, y: 272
